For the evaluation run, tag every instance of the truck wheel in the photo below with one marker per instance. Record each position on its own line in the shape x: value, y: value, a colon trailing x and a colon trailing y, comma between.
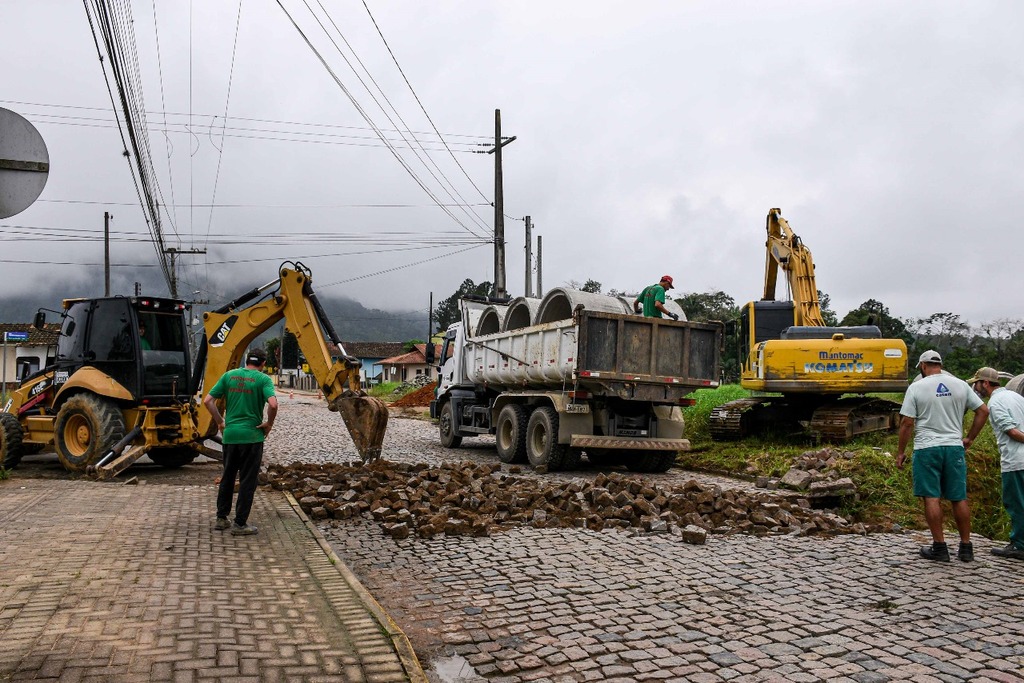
x: 542, y: 447
x: 448, y: 429
x: 510, y: 434
x: 651, y: 461
x: 11, y: 447
x: 172, y: 458
x: 86, y: 428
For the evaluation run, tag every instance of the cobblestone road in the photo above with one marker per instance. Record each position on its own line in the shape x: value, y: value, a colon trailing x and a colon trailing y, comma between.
x: 579, y: 605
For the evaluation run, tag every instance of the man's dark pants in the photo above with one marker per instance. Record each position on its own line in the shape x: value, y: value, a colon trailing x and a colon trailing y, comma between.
x: 242, y: 460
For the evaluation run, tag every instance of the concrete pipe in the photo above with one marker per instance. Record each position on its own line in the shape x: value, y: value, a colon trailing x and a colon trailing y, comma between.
x: 491, y: 319
x: 521, y: 313
x: 559, y: 303
x: 1016, y: 384
x: 670, y: 304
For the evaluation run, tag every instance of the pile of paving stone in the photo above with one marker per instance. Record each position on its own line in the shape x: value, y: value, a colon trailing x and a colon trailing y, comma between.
x: 814, y: 474
x: 470, y: 499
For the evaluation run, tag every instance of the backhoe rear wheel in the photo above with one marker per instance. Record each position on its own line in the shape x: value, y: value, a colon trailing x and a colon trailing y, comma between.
x: 87, y: 427
x: 11, y: 446
x: 173, y: 457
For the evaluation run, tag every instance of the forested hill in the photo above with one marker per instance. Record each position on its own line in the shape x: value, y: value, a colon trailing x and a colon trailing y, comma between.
x: 352, y: 321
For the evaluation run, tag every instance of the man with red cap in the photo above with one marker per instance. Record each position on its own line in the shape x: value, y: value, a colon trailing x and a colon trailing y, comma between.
x: 652, y: 300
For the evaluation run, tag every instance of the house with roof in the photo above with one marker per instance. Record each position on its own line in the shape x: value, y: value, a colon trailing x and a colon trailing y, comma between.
x: 26, y: 350
x: 371, y: 354
x: 409, y: 366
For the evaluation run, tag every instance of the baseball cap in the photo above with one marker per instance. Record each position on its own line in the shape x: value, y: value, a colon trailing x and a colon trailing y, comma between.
x: 256, y: 357
x: 930, y: 356
x: 668, y: 279
x: 985, y: 374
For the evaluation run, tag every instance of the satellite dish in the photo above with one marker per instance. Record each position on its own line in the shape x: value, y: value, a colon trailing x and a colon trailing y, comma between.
x: 24, y: 163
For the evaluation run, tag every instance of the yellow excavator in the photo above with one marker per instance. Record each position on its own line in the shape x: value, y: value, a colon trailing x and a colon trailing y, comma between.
x: 808, y: 375
x: 124, y: 385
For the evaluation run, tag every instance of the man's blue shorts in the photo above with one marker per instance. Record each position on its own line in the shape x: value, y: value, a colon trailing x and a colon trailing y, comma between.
x: 941, y: 472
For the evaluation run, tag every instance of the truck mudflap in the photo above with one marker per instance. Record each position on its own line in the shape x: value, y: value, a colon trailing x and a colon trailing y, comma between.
x: 629, y: 443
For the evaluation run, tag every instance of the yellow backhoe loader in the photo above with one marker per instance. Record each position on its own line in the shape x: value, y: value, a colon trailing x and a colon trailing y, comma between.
x: 816, y: 377
x: 124, y: 384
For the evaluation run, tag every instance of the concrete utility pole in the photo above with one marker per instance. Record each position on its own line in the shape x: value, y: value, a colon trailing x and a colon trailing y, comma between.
x: 540, y: 284
x: 499, y: 290
x: 174, y: 276
x: 529, y: 258
x: 106, y: 253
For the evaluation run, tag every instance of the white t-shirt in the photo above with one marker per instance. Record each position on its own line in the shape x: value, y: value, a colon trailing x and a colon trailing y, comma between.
x: 1006, y: 412
x: 938, y: 404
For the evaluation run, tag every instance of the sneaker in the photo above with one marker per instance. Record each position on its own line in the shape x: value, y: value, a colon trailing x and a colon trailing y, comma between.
x: 249, y: 530
x: 221, y: 524
x: 936, y: 551
x: 965, y: 552
x: 1009, y: 551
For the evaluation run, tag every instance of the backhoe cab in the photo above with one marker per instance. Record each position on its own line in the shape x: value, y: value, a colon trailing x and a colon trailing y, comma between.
x: 123, y: 384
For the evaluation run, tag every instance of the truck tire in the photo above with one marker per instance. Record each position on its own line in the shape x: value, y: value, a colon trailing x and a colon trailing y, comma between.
x: 86, y: 428
x: 172, y: 458
x: 510, y: 434
x: 11, y: 446
x: 651, y: 461
x: 542, y: 447
x: 604, y: 457
x: 447, y: 428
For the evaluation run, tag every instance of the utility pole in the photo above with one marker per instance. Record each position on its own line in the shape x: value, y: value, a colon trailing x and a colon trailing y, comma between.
x: 106, y: 253
x: 540, y: 284
x: 174, y: 276
x: 499, y: 289
x: 529, y: 258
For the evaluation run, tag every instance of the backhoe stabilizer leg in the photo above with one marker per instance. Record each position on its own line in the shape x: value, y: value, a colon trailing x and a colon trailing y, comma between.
x: 367, y: 421
x: 121, y: 463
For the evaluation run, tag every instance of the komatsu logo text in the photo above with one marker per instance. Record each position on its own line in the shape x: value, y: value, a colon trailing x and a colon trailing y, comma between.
x: 858, y: 368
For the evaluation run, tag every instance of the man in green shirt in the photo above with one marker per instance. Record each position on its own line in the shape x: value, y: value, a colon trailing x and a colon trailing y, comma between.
x: 245, y: 391
x: 652, y: 299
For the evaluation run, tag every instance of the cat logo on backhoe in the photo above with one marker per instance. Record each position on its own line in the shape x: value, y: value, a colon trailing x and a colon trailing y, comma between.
x: 221, y: 335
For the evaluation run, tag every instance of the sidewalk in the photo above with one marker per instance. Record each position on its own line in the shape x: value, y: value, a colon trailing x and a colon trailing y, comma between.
x: 106, y: 582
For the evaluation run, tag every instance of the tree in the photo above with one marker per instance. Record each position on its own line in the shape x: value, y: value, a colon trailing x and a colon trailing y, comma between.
x: 411, y: 344
x: 592, y: 286
x: 289, y: 352
x: 827, y: 314
x: 448, y: 311
x: 873, y: 312
x: 704, y: 306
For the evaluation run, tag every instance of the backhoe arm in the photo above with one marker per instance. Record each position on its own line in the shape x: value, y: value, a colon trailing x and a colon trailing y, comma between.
x: 787, y: 251
x: 231, y: 329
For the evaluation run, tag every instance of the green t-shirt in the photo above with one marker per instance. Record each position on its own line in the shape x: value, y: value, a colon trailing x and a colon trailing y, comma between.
x: 648, y: 297
x: 245, y: 392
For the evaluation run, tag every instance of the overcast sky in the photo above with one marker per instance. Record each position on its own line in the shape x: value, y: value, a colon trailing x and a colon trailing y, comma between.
x: 652, y: 138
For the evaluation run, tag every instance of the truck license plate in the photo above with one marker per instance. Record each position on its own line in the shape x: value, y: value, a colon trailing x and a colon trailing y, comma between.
x: 577, y: 408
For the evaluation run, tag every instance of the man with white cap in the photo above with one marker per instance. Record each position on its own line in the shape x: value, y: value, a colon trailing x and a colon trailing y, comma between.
x: 1006, y: 415
x: 933, y: 411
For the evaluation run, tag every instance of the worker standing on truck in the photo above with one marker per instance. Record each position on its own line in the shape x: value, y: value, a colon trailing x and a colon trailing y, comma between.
x: 652, y: 300
x: 933, y: 411
x: 245, y: 391
x: 1006, y: 415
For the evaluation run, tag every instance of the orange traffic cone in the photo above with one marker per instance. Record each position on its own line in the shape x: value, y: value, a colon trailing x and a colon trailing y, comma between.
x: 291, y: 394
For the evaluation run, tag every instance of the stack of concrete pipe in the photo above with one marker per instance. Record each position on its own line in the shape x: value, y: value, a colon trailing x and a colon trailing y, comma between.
x: 559, y: 303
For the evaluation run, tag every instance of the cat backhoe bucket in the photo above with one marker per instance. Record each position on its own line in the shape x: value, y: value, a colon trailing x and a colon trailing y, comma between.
x: 367, y: 421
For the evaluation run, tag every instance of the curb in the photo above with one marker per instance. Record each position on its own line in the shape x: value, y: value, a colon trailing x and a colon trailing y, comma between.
x: 399, y: 640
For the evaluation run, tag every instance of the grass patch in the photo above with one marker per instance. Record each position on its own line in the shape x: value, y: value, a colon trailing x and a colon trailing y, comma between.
x: 4, y: 474
x: 384, y: 390
x: 886, y: 493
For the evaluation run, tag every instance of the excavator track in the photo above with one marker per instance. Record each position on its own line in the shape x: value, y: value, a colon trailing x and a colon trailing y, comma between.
x: 731, y: 421
x: 849, y: 417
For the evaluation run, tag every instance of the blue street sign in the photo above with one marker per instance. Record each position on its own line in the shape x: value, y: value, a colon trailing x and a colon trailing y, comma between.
x: 16, y: 336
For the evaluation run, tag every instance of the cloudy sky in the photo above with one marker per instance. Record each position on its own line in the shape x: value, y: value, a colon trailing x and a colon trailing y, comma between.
x: 651, y: 138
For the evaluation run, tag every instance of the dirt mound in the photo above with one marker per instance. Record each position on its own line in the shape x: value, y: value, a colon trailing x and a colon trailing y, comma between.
x: 419, y: 398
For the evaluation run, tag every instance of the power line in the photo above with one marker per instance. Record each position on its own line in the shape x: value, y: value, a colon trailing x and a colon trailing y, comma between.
x: 265, y: 206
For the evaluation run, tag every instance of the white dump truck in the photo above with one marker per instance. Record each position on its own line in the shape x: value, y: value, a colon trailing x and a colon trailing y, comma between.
x: 586, y: 374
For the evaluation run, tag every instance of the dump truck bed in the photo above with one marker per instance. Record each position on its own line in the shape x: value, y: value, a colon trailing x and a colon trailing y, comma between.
x: 605, y: 353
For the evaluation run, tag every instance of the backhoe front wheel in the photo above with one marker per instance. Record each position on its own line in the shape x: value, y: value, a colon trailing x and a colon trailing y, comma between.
x: 11, y: 446
x: 87, y: 427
